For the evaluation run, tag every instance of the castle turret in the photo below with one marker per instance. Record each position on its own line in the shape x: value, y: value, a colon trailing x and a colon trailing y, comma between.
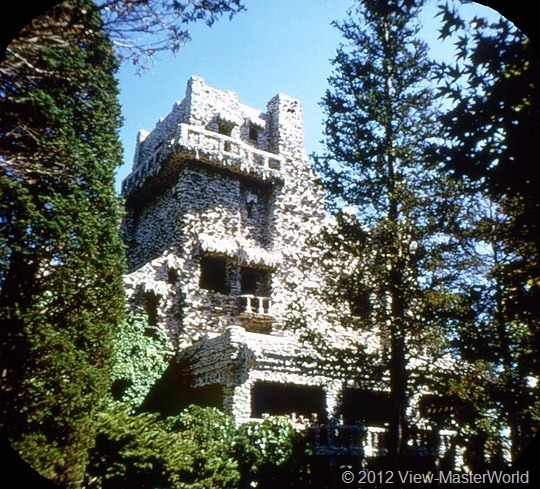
x: 285, y: 127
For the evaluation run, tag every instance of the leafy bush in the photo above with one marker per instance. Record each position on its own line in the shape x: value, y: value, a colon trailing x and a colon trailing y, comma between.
x: 206, y: 438
x: 131, y: 450
x: 272, y: 453
x: 192, y: 450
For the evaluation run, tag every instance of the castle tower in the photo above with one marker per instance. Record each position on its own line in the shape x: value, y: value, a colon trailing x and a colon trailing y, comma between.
x: 221, y: 205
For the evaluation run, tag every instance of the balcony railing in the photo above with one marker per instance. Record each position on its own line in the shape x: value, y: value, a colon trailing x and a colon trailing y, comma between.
x: 211, y: 147
x: 371, y: 441
x: 336, y: 439
x: 375, y: 444
x: 220, y: 147
x: 252, y: 304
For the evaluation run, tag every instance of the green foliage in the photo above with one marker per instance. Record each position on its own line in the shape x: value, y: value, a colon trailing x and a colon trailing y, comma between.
x: 142, y: 354
x: 272, y: 453
x: 198, y: 449
x: 192, y: 450
x: 395, y: 212
x: 130, y: 450
x: 206, y: 436
x: 491, y: 129
x: 61, y: 260
x: 266, y: 442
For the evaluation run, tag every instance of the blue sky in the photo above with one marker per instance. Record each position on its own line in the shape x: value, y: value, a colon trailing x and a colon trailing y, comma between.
x: 274, y: 46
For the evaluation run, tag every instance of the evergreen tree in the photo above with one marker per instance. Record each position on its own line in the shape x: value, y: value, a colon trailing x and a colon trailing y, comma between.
x: 398, y: 224
x: 61, y: 258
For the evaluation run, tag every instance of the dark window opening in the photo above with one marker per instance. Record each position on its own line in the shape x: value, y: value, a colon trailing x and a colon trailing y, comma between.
x: 175, y: 391
x: 151, y: 303
x: 172, y: 275
x: 255, y: 281
x: 214, y: 274
x: 441, y: 409
x: 360, y: 304
x: 371, y: 408
x: 251, y: 201
x: 358, y: 297
x: 253, y: 133
x: 225, y: 128
x: 284, y: 399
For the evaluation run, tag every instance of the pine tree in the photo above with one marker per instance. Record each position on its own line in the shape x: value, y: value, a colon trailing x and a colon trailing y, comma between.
x: 61, y: 258
x: 380, y: 123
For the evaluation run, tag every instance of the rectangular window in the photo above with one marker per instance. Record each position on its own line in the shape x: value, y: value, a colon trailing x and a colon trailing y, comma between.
x: 151, y: 303
x: 214, y: 274
x: 225, y: 128
x: 253, y: 134
x: 255, y: 281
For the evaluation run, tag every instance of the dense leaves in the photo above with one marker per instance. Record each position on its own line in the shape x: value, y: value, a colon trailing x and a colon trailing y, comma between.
x: 272, y: 453
x: 191, y: 450
x: 141, y: 356
x: 61, y: 259
x: 490, y: 130
x: 197, y: 449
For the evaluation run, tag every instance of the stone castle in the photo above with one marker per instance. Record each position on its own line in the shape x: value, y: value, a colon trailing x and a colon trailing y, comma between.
x: 221, y: 208
x: 221, y: 204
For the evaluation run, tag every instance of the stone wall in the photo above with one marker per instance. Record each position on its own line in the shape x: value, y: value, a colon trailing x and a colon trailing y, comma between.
x: 239, y: 216
x: 223, y: 214
x: 238, y: 359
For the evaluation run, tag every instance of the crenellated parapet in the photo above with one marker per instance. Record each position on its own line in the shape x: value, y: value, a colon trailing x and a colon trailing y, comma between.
x: 193, y: 144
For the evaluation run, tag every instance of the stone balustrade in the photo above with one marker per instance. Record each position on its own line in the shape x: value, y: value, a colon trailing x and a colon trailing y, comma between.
x: 252, y: 304
x: 375, y: 443
x: 371, y: 441
x: 420, y: 442
x: 332, y: 439
x: 211, y: 148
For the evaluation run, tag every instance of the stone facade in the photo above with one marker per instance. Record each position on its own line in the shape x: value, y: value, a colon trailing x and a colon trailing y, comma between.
x: 221, y: 208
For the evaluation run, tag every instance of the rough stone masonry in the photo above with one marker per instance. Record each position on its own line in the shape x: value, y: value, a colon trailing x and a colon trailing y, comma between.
x: 221, y: 206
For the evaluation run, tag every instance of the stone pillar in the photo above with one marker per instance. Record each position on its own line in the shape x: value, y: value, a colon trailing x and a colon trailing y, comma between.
x: 241, y: 405
x: 237, y: 390
x: 333, y: 391
x: 285, y: 127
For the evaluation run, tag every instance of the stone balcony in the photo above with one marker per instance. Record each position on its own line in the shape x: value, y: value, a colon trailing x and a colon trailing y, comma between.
x: 221, y: 357
x: 255, y: 313
x: 208, y: 147
x: 420, y: 442
x: 252, y: 304
x: 375, y: 442
x: 332, y: 439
